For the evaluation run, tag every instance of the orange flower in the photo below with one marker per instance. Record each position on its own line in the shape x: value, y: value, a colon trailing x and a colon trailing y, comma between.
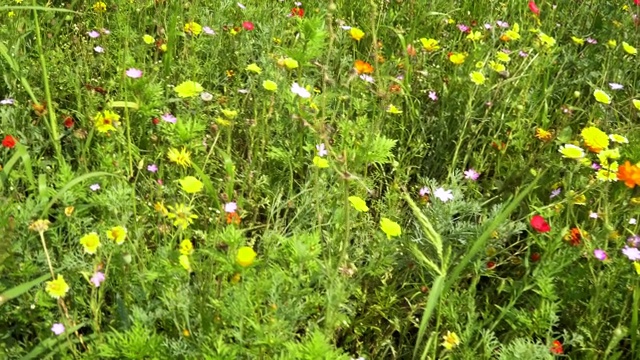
x: 630, y: 174
x: 363, y: 67
x: 233, y: 218
x: 574, y: 236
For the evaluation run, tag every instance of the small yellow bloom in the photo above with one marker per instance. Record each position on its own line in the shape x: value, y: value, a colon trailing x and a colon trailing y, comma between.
x: 11, y: 14
x: 546, y: 40
x: 606, y: 175
x: 185, y: 263
x: 595, y: 139
x: 601, y: 97
x: 39, y: 226
x: 90, y: 242
x: 636, y: 103
x: 502, y: 56
x: 457, y: 58
x: 245, y: 256
x: 497, y: 67
x: 57, y: 288
x: 105, y: 121
x: 580, y: 199
x: 163, y: 47
x: 188, y: 89
x: 571, y: 151
x: 253, y: 68
x: 229, y: 114
x: 182, y: 215
x: 68, y: 211
x: 320, y: 162
x: 159, y: 207
x: 148, y: 39
x: 392, y: 109
x: 186, y: 333
x: 451, y: 340
x: 182, y: 157
x: 577, y: 40
x: 390, y: 228
x: 290, y: 63
x: 636, y: 266
x: 269, y: 85
x: 117, y: 234
x: 356, y: 33
x: 191, y: 185
x: 479, y: 65
x: 186, y: 247
x: 612, y: 43
x: 99, y: 7
x: 629, y: 49
x: 430, y: 45
x: 474, y: 36
x: 358, y: 203
x: 477, y: 78
x: 192, y: 28
x: 618, y: 139
x: 543, y: 134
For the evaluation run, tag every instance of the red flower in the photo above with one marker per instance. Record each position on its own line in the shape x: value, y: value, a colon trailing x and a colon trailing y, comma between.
x: 68, y: 122
x: 247, y: 25
x: 556, y: 347
x: 637, y: 2
x: 534, y: 8
x: 155, y: 121
x: 491, y: 265
x: 9, y: 142
x: 535, y: 257
x: 539, y: 224
x: 297, y: 11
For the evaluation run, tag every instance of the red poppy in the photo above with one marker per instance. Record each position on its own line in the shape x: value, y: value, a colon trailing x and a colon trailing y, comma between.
x: 9, y: 142
x: 297, y: 11
x: 539, y: 224
x: 556, y: 347
x: 534, y: 8
x: 637, y: 2
x: 535, y: 257
x: 68, y: 122
x: 155, y: 121
x: 247, y: 25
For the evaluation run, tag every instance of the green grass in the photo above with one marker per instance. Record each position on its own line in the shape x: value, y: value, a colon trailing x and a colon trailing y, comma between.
x: 379, y: 247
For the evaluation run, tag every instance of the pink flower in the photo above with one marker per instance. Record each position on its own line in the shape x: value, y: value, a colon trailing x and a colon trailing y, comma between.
x: 152, y: 168
x: 93, y: 34
x: 433, y: 96
x: 424, y: 191
x: 98, y: 49
x: 247, y: 25
x: 471, y: 174
x: 134, y: 73
x: 632, y: 253
x: 600, y: 254
x: 57, y: 328
x: 230, y: 207
x: 321, y: 150
x: 168, y: 117
x: 97, y: 278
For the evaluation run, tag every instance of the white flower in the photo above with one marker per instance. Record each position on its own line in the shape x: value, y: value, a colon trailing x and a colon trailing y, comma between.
x: 300, y: 91
x: 443, y: 195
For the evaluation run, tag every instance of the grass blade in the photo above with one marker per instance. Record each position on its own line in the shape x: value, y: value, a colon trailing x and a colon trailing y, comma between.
x: 21, y: 289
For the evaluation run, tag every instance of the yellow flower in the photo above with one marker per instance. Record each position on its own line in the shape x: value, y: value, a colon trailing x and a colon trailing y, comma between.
x: 68, y: 211
x: 479, y: 65
x: 430, y: 45
x: 39, y: 226
x: 612, y: 43
x: 253, y: 68
x: 571, y: 151
x: 290, y: 63
x: 320, y: 162
x: 512, y: 34
x: 269, y: 85
x: 390, y: 228
x: 543, y: 134
x: 358, y: 203
x: 577, y: 40
x: 392, y: 109
x: 497, y: 67
x: 605, y: 155
x: 451, y: 340
x: 618, y: 139
x: 185, y: 263
x: 148, y: 39
x: 163, y: 47
x: 57, y: 288
x: 117, y: 234
x: 192, y: 28
x: 474, y: 36
x: 457, y: 58
x: 159, y: 207
x: 502, y: 56
x: 636, y: 266
x: 188, y: 89
x: 105, y: 121
x: 629, y: 49
x: 606, y: 175
x: 601, y: 97
x: 546, y: 40
x: 191, y: 185
x: 182, y: 215
x: 90, y: 242
x: 229, y: 114
x: 477, y: 78
x: 636, y: 103
x: 186, y: 247
x: 580, y: 199
x: 245, y: 256
x: 99, y: 7
x: 182, y: 157
x: 11, y: 14
x: 356, y: 33
x: 595, y: 139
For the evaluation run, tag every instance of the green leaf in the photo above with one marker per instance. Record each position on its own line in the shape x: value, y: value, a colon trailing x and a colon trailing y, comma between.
x: 21, y: 289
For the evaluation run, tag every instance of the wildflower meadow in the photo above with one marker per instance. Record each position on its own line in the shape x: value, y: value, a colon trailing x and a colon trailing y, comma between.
x: 326, y: 179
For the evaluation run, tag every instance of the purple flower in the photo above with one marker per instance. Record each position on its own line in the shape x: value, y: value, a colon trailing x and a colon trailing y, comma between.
x: 321, y: 150
x: 230, y: 207
x: 97, y: 278
x: 463, y: 27
x: 592, y: 41
x: 168, y: 117
x: 57, y: 328
x: 595, y: 166
x: 98, y: 49
x: 443, y: 195
x: 152, y: 168
x: 600, y: 254
x: 134, y: 73
x: 555, y: 193
x: 207, y: 30
x: 523, y: 54
x: 487, y: 26
x: 93, y: 34
x: 502, y: 24
x: 95, y: 187
x: 432, y: 95
x: 471, y: 174
x: 424, y: 191
x: 7, y: 102
x: 616, y: 86
x: 632, y: 253
x: 633, y: 240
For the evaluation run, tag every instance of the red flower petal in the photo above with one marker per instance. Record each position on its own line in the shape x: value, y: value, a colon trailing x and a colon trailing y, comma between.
x: 9, y: 142
x: 539, y: 224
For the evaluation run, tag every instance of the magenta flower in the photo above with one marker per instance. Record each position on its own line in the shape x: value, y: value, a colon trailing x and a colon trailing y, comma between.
x: 631, y: 253
x: 152, y: 168
x: 168, y: 117
x: 432, y: 95
x: 463, y: 28
x: 134, y: 73
x: 600, y: 254
x: 97, y: 278
x: 57, y: 328
x: 247, y: 25
x: 471, y: 174
x: 230, y: 207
